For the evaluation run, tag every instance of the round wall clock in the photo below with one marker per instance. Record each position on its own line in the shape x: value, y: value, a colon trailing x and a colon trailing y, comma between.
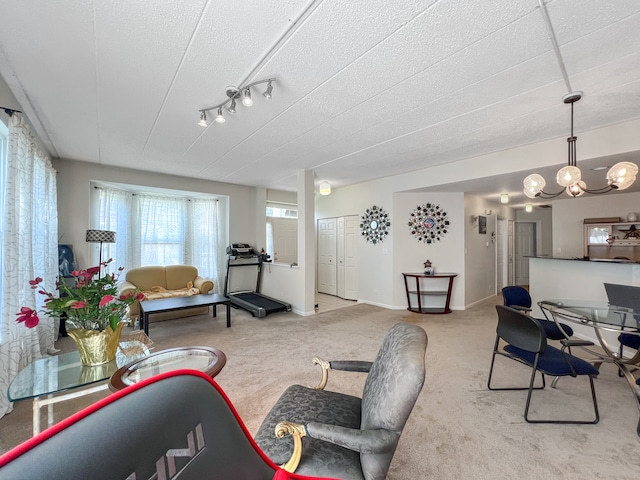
x: 375, y: 224
x: 428, y: 223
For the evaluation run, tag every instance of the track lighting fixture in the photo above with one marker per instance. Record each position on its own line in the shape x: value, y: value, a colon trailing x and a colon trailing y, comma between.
x: 233, y: 94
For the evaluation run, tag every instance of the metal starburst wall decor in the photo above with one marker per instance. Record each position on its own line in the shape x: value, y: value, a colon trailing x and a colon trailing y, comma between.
x: 428, y: 223
x: 375, y: 224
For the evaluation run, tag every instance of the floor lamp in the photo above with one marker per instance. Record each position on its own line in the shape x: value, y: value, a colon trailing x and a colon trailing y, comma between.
x: 101, y: 236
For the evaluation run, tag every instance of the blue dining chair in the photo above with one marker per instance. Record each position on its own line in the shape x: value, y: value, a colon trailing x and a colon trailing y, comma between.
x: 526, y: 343
x: 518, y: 298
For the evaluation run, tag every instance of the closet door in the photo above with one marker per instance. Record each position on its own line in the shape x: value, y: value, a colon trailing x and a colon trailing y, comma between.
x: 340, y: 247
x: 327, y: 238
x: 351, y: 235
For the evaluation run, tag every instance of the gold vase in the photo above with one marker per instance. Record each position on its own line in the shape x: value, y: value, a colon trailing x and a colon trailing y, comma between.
x: 96, y: 347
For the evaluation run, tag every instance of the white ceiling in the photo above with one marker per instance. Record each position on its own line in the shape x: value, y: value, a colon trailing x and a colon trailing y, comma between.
x: 365, y: 89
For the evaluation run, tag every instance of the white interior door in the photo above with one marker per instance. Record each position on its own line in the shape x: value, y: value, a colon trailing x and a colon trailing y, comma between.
x: 351, y: 235
x: 500, y: 254
x: 327, y: 256
x: 525, y: 247
x: 340, y: 275
x: 510, y: 252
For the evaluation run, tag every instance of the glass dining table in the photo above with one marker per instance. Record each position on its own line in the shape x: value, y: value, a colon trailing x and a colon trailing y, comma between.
x: 607, y: 322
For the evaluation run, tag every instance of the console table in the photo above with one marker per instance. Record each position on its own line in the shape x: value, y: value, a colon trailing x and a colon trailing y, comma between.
x: 420, y: 287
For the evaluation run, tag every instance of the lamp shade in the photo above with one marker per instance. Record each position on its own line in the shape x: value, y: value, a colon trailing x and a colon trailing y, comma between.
x: 101, y: 236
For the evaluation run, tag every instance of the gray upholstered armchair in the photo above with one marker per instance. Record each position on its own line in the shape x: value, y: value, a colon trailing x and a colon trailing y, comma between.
x: 338, y: 435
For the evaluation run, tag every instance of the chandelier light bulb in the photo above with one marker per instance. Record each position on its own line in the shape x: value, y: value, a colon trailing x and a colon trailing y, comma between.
x: 576, y: 189
x: 203, y: 119
x: 568, y: 176
x: 622, y: 175
x: 246, y: 98
x: 220, y: 118
x: 533, y: 185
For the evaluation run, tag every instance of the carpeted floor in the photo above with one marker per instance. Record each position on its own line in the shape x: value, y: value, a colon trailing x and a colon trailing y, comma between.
x: 458, y: 429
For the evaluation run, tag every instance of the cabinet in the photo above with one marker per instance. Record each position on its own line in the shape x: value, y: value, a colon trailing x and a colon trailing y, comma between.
x: 618, y: 241
x: 429, y: 293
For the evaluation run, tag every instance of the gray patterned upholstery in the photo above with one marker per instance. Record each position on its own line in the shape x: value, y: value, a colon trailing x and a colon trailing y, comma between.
x: 348, y: 437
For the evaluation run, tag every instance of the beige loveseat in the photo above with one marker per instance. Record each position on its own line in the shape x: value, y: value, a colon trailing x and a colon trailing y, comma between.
x: 165, y: 282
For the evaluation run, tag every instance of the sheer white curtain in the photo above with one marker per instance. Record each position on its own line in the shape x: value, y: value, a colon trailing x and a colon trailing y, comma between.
x: 29, y: 250
x: 161, y: 230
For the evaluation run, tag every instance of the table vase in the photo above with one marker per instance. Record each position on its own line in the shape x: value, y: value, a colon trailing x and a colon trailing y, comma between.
x: 96, y: 347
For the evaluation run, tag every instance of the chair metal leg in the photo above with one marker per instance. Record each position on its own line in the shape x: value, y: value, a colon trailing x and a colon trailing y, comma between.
x: 580, y: 422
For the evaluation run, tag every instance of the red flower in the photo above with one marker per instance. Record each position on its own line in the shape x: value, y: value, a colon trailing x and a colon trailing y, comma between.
x: 78, y: 305
x: 107, y: 299
x: 92, y: 271
x: 28, y: 316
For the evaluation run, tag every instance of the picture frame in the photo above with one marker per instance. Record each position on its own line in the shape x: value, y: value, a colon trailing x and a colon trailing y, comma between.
x: 482, y: 225
x: 66, y: 260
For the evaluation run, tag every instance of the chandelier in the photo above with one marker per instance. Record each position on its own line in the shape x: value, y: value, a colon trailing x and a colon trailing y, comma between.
x: 620, y: 176
x: 242, y: 94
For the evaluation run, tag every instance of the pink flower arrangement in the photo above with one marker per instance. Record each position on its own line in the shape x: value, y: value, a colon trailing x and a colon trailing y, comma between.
x: 91, y: 301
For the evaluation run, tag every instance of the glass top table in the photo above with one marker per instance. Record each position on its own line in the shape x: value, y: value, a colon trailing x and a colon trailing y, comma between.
x: 205, y: 359
x: 46, y: 377
x: 600, y: 316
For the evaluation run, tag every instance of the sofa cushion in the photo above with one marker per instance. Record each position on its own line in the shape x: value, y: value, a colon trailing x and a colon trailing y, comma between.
x: 178, y: 276
x: 145, y: 278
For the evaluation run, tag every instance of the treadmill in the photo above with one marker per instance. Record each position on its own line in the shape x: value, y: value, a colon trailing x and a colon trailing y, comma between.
x: 242, y: 255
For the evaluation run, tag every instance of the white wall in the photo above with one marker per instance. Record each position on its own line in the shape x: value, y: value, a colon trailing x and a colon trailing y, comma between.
x: 446, y: 255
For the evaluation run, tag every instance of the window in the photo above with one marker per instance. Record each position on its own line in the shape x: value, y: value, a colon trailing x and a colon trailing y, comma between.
x: 154, y: 229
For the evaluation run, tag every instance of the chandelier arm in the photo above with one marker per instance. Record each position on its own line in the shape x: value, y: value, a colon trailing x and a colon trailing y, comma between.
x: 606, y: 189
x: 240, y: 89
x: 546, y: 196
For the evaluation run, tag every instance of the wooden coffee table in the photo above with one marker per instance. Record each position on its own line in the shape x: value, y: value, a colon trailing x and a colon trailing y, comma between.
x: 205, y: 359
x: 160, y: 305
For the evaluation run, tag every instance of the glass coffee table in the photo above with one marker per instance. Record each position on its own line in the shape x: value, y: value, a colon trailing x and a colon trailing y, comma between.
x: 46, y: 378
x: 205, y: 359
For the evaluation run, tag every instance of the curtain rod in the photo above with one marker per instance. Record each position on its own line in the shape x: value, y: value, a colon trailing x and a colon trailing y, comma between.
x: 10, y: 111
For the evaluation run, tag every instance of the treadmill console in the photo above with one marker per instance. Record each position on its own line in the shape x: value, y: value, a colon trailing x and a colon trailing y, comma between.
x: 241, y: 250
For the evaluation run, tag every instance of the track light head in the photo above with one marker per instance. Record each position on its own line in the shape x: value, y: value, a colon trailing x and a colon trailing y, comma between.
x: 203, y: 119
x: 246, y: 97
x: 232, y: 107
x: 220, y: 118
x: 267, y: 92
